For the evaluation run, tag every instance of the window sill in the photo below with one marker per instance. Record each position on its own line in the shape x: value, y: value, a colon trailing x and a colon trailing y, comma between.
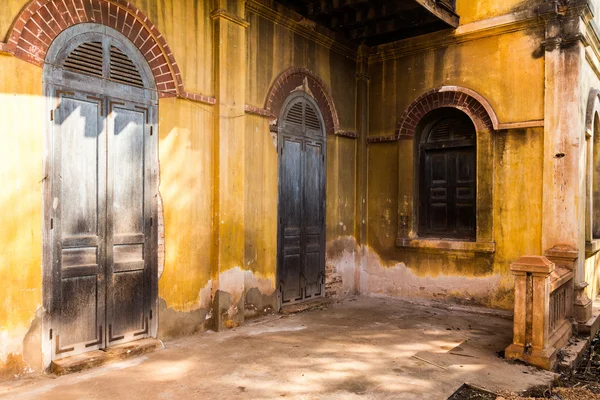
x: 447, y: 245
x: 591, y: 248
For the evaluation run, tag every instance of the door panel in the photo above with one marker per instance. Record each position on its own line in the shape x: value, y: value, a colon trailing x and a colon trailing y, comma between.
x: 290, y: 215
x: 301, y: 266
x: 78, y: 224
x: 128, y: 220
x: 313, y: 218
x: 449, y: 191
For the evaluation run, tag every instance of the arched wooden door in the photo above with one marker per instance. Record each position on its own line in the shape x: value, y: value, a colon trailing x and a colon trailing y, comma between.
x: 301, y: 233
x: 100, y: 202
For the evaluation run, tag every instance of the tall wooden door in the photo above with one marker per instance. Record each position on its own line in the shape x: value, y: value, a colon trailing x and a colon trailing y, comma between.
x: 301, y: 237
x: 102, y: 199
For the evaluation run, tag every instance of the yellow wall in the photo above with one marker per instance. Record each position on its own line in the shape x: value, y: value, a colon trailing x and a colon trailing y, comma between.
x: 470, y: 11
x: 187, y: 167
x: 21, y: 112
x: 487, y: 66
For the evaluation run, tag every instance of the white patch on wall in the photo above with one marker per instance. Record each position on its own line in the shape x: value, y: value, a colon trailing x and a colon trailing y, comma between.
x: 400, y: 281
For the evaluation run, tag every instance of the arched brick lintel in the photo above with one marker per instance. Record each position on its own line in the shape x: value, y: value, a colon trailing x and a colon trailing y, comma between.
x: 295, y: 78
x: 41, y: 21
x: 466, y: 100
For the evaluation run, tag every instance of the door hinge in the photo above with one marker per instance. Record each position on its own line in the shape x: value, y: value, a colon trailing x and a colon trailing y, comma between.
x: 50, y: 334
x: 51, y: 115
x: 151, y: 222
x: 150, y: 314
x: 151, y: 130
x: 51, y: 223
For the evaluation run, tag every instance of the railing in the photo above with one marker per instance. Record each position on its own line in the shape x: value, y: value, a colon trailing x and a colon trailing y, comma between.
x: 559, y: 307
x: 543, y: 311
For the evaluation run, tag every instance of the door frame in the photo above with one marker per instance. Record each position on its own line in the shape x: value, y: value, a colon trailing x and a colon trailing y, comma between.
x: 284, y: 109
x: 55, y: 78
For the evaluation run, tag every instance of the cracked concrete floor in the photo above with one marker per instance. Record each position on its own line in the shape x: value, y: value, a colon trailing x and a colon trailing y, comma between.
x: 362, y: 348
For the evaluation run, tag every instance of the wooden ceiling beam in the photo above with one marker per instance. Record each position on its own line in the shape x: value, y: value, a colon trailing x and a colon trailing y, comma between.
x: 442, y: 10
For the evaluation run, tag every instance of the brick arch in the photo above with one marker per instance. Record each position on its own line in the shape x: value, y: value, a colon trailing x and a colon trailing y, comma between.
x: 296, y: 79
x: 41, y: 21
x: 466, y: 100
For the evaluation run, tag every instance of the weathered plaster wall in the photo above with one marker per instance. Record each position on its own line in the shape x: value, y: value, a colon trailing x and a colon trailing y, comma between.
x: 471, y: 11
x: 590, y: 80
x: 186, y: 182
x: 187, y: 133
x: 21, y: 216
x: 272, y: 49
x: 507, y: 70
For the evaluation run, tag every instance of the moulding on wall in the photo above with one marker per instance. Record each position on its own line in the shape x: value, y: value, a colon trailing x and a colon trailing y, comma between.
x: 495, y: 26
x: 40, y: 22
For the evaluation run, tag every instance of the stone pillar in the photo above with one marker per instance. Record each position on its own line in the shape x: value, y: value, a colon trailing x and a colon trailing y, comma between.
x: 228, y: 224
x: 564, y: 208
x: 362, y: 126
x: 532, y: 301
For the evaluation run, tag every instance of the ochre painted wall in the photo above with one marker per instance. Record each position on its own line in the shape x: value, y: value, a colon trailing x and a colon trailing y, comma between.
x: 22, y: 114
x: 187, y: 134
x: 272, y: 49
x: 471, y: 11
x: 508, y: 72
x: 590, y: 81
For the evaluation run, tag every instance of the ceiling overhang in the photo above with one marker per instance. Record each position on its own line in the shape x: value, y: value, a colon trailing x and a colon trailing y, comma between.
x: 375, y: 22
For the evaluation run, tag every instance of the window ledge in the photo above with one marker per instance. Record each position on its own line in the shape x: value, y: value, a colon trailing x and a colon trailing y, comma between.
x: 592, y: 247
x: 447, y: 245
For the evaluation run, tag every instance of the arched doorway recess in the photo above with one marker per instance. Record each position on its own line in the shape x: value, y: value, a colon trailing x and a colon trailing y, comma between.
x: 302, y: 179
x: 100, y: 200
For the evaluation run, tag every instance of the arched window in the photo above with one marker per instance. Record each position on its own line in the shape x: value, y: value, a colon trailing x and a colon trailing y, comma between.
x: 447, y: 175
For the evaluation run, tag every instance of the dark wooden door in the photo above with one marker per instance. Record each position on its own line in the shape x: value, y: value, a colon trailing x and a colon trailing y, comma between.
x: 78, y: 224
x: 101, y: 196
x: 129, y: 221
x: 102, y: 180
x: 448, y: 178
x: 301, y: 249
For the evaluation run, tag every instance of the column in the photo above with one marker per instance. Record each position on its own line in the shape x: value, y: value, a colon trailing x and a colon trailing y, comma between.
x: 228, y: 224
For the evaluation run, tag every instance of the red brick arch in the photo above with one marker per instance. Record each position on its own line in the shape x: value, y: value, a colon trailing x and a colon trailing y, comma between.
x: 466, y: 100
x: 41, y: 21
x: 295, y: 78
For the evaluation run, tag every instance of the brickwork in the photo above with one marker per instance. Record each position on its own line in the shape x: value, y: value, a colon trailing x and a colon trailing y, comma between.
x: 463, y: 99
x: 333, y: 282
x: 41, y: 21
x: 294, y: 78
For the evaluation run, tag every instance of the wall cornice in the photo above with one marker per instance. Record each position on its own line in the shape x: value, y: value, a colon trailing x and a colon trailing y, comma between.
x: 478, y: 30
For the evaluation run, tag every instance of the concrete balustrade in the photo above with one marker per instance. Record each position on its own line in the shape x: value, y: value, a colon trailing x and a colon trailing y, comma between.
x: 543, y: 310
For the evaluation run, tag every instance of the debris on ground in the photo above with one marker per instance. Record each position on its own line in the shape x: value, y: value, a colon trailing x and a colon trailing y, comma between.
x: 582, y: 384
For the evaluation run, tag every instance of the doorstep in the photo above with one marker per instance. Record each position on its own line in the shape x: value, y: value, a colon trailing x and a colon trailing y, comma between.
x: 316, y: 304
x: 96, y: 358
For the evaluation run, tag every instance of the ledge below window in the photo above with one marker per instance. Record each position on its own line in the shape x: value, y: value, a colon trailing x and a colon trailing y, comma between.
x: 592, y: 247
x: 446, y: 245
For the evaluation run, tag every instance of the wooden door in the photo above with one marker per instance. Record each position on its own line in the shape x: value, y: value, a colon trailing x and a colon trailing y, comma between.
x: 101, y: 195
x: 448, y: 178
x: 102, y: 222
x: 78, y: 224
x: 301, y: 250
x: 129, y: 221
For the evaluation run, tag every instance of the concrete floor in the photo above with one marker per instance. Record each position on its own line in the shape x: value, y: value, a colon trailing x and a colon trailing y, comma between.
x: 363, y: 348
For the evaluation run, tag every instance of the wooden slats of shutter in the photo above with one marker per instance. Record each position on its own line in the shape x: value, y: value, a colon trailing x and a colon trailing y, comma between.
x: 89, y: 59
x: 86, y: 59
x: 123, y: 70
